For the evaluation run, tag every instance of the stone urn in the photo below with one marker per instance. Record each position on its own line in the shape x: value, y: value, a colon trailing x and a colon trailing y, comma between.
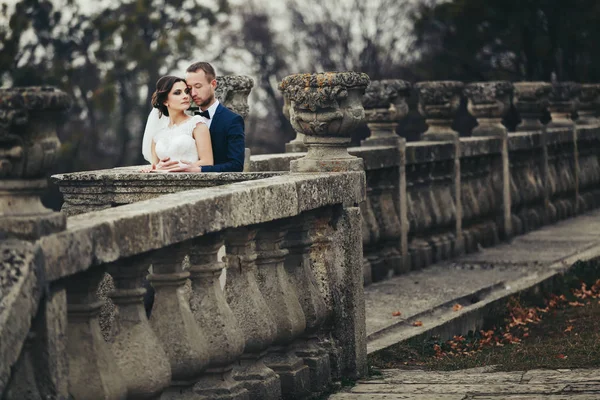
x: 233, y: 92
x: 326, y: 107
x: 530, y: 100
x: 29, y: 117
x: 489, y: 102
x: 297, y: 144
x: 438, y: 103
x: 589, y: 104
x: 385, y: 104
x: 563, y: 102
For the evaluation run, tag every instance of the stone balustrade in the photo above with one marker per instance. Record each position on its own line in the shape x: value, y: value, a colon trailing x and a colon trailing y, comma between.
x: 280, y: 316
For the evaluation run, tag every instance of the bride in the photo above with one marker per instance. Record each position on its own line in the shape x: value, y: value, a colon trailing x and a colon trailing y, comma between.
x: 170, y: 133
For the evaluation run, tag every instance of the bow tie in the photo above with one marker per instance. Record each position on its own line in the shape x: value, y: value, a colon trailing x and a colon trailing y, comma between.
x: 204, y: 114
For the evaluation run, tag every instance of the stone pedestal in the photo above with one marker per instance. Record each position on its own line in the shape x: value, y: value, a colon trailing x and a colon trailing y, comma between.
x: 326, y: 108
x: 28, y: 148
x: 438, y: 103
x: 563, y: 99
x: 297, y: 144
x: 385, y: 104
x: 530, y: 100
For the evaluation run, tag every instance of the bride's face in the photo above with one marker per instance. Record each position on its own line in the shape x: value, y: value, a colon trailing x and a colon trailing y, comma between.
x: 202, y: 90
x: 179, y: 98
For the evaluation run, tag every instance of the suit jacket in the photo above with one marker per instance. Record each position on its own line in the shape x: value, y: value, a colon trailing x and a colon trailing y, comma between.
x: 228, y: 141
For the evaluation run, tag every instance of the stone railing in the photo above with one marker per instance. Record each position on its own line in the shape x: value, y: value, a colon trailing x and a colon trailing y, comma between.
x: 445, y: 195
x: 285, y: 319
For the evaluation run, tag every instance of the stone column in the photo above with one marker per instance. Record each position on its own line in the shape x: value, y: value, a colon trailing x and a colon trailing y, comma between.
x: 530, y: 100
x: 173, y: 322
x: 488, y: 102
x: 438, y: 103
x: 297, y: 144
x: 326, y: 107
x: 282, y: 300
x: 298, y: 266
x: 385, y: 104
x: 93, y: 369
x: 28, y: 147
x: 589, y: 104
x: 29, y: 118
x: 216, y: 320
x: 562, y: 103
x: 253, y: 314
x: 141, y: 358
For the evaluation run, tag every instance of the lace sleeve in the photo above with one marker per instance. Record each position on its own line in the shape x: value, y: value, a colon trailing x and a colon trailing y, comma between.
x: 195, y: 120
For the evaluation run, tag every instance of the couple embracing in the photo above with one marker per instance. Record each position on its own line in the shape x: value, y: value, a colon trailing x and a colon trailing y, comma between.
x: 176, y: 142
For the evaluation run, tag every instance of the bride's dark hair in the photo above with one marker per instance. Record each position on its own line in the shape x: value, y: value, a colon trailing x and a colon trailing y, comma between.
x: 163, y: 88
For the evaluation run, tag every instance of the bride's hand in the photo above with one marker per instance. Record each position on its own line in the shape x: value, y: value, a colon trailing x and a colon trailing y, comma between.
x: 166, y: 164
x: 149, y: 169
x: 184, y: 166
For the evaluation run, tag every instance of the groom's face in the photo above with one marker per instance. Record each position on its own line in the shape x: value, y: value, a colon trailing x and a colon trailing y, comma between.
x: 203, y: 90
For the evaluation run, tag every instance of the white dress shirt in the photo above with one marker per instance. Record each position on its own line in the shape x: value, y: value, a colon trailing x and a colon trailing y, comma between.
x: 211, y: 112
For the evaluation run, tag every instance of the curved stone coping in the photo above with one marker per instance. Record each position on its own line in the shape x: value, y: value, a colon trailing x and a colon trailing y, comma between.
x: 105, y: 236
x: 480, y: 146
x: 524, y: 141
x: 426, y: 152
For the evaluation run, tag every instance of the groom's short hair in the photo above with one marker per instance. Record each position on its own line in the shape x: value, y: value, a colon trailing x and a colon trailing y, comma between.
x: 208, y: 69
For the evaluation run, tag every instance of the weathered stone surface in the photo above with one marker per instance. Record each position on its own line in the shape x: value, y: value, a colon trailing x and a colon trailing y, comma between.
x: 233, y: 92
x: 438, y: 103
x: 488, y: 102
x: 589, y: 104
x: 377, y: 157
x: 563, y: 103
x: 20, y: 293
x: 273, y: 162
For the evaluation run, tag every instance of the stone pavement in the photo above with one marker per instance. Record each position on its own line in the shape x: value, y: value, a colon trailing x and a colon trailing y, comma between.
x: 477, y: 384
x: 476, y: 281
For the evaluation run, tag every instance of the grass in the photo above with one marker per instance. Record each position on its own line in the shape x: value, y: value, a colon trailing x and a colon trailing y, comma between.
x: 556, y: 329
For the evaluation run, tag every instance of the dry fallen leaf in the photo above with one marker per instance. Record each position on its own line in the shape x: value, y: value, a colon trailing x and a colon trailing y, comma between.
x: 396, y: 314
x: 576, y: 304
x: 561, y: 356
x: 457, y: 307
x: 569, y: 328
x: 417, y: 323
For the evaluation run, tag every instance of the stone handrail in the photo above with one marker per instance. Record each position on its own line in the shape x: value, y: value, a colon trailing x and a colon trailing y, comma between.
x: 287, y: 320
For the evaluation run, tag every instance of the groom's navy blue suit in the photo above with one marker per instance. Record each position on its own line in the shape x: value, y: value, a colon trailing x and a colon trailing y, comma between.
x: 228, y: 141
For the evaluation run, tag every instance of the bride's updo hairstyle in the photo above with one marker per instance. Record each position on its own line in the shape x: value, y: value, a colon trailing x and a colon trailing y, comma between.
x: 163, y: 88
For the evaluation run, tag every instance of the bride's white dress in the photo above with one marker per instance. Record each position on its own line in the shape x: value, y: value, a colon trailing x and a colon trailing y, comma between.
x: 176, y: 142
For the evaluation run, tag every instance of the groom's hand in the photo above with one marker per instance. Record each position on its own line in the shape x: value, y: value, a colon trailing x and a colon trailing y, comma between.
x: 184, y: 166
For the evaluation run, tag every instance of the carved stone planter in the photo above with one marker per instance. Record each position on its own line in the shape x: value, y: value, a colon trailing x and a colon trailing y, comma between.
x: 589, y: 104
x: 488, y: 102
x: 438, y: 103
x: 563, y: 100
x: 327, y: 107
x: 385, y: 104
x: 531, y: 99
x: 28, y: 146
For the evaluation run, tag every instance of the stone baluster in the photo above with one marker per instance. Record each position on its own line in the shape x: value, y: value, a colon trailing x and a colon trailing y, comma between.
x: 216, y: 320
x: 141, y: 358
x: 589, y: 104
x: 298, y: 266
x: 297, y: 144
x: 173, y: 322
x: 385, y: 104
x: 562, y: 103
x: 327, y: 107
x: 93, y: 369
x: 253, y: 314
x: 530, y: 100
x: 438, y: 103
x: 489, y: 102
x: 282, y: 300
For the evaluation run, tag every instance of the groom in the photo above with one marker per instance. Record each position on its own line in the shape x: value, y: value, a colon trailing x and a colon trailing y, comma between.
x: 226, y: 127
